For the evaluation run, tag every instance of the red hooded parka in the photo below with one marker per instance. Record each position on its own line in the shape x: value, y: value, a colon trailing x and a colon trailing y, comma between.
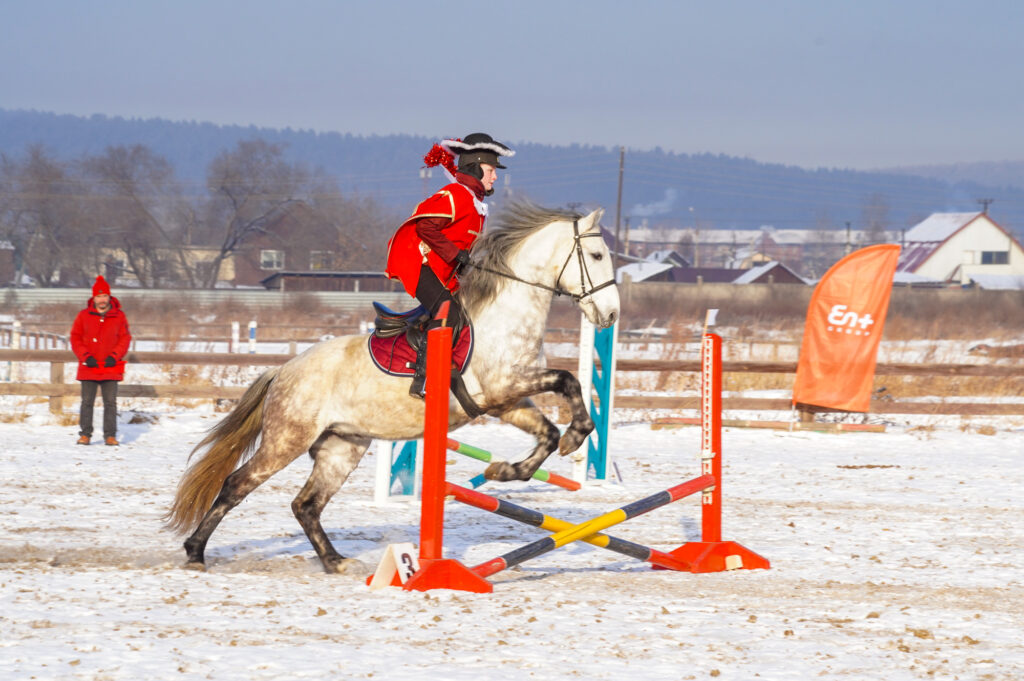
x: 100, y: 336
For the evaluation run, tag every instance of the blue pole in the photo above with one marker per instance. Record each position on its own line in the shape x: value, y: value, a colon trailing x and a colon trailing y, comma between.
x: 602, y: 378
x: 403, y: 467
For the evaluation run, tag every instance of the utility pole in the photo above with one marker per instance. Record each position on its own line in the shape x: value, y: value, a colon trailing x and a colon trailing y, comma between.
x: 985, y: 203
x: 696, y: 238
x: 849, y: 246
x: 425, y: 175
x: 618, y: 208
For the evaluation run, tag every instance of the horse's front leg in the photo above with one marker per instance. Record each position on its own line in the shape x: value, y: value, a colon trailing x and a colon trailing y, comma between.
x: 528, y: 418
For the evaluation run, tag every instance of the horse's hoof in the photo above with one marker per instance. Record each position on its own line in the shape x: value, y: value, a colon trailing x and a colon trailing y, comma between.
x: 345, y: 566
x: 570, y: 442
x: 197, y: 565
x: 502, y: 471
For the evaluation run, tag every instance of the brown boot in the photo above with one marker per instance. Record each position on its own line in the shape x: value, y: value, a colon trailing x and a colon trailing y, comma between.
x: 111, y: 442
x: 84, y: 440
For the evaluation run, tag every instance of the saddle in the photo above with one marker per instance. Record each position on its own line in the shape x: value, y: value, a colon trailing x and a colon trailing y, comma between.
x: 412, y: 323
x: 397, y: 337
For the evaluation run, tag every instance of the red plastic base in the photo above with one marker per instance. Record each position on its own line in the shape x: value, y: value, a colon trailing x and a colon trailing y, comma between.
x: 719, y: 556
x: 446, y: 573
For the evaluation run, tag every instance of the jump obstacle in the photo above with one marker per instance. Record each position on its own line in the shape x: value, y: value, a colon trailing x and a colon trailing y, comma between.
x: 596, y: 372
x: 396, y: 463
x: 485, y: 456
x: 396, y: 466
x: 711, y: 554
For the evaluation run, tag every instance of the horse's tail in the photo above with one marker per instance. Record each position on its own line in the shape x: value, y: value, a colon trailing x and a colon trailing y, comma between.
x: 227, y: 442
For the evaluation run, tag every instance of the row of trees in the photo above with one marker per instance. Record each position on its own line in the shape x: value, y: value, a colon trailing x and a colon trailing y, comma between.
x: 66, y: 218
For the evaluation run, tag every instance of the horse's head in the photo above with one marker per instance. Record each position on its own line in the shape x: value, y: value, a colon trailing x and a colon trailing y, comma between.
x: 547, y: 251
x: 585, y: 269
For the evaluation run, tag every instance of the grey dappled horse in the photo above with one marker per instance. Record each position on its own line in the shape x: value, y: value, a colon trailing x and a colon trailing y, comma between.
x: 332, y: 401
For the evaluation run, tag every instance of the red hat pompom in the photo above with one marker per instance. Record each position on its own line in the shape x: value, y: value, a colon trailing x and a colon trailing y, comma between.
x: 100, y: 286
x: 439, y: 156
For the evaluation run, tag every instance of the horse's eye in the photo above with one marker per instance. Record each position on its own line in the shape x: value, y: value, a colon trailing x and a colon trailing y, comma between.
x: 597, y: 256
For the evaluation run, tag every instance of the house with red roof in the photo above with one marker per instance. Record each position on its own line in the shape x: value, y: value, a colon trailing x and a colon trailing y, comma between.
x: 961, y: 248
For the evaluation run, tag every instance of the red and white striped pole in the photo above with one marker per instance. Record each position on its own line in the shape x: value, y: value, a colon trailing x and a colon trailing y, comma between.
x: 711, y: 435
x: 711, y: 554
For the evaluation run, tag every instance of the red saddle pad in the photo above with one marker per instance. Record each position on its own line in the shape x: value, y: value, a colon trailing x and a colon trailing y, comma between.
x: 394, y: 355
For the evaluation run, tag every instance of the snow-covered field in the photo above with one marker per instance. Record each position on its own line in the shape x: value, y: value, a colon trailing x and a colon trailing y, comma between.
x: 894, y: 556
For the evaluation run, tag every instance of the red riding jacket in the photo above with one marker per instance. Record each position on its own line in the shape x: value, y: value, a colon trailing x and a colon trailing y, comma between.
x: 100, y: 336
x: 441, y: 226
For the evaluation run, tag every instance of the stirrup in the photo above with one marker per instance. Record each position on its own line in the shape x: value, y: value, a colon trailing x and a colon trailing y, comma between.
x: 418, y: 387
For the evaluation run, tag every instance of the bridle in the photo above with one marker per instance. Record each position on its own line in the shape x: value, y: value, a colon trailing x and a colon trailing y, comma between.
x: 585, y: 279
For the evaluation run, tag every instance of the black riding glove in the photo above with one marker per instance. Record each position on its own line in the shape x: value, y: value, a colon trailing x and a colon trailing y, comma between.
x: 109, y: 361
x: 91, y: 362
x: 461, y: 261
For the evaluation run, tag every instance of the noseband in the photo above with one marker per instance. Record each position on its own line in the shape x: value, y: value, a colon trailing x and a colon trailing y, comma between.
x: 557, y: 289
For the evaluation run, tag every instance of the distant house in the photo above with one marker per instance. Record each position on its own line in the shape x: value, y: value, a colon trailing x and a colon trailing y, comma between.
x: 670, y: 257
x: 322, y: 280
x: 962, y: 248
x: 298, y: 239
x: 165, y: 267
x: 770, y: 273
x: 810, y: 251
x: 767, y: 273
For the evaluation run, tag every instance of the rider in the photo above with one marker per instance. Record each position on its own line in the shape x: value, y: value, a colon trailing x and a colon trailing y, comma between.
x: 431, y: 248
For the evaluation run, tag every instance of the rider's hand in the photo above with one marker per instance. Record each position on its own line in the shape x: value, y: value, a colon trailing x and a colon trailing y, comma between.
x: 461, y: 260
x: 91, y: 362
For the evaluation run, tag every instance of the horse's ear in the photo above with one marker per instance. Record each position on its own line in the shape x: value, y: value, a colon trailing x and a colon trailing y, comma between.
x: 593, y: 221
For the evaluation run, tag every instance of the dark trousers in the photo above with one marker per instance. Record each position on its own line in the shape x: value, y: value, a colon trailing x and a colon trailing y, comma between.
x: 109, y: 391
x: 431, y: 292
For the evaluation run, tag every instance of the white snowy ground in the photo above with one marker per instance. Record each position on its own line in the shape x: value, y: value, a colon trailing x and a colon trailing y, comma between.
x: 894, y: 556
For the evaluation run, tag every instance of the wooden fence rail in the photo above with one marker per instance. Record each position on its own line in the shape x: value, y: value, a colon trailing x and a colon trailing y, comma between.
x: 57, y: 389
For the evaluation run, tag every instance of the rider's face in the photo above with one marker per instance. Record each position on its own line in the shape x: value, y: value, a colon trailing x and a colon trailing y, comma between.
x: 490, y: 176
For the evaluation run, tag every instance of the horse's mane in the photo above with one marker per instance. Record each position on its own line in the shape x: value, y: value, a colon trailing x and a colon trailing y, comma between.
x: 503, y: 234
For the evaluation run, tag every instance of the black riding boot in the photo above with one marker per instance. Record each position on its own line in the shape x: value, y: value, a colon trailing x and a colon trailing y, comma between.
x: 418, y: 388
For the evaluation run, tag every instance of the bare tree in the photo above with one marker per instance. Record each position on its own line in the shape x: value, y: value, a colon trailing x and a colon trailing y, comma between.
x: 42, y: 217
x: 875, y: 215
x: 249, y: 186
x: 687, y: 246
x: 138, y: 200
x: 362, y: 229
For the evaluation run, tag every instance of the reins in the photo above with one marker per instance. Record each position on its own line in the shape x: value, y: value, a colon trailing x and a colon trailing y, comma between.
x: 558, y: 290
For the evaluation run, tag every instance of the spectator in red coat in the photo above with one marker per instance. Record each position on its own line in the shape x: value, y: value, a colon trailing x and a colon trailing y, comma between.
x: 100, y: 339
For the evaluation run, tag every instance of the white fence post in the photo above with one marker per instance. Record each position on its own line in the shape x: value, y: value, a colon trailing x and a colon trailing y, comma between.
x: 16, y: 344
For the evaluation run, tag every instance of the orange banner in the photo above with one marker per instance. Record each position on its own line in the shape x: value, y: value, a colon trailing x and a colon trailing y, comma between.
x: 843, y: 330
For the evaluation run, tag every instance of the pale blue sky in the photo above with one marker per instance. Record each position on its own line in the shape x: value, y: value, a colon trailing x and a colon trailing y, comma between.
x: 860, y: 84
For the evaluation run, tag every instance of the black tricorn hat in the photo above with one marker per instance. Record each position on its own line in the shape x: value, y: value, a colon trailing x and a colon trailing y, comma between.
x: 478, y: 147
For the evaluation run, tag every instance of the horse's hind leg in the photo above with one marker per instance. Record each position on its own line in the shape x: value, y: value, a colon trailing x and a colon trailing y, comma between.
x: 237, y: 486
x: 335, y: 458
x: 526, y: 417
x: 274, y: 453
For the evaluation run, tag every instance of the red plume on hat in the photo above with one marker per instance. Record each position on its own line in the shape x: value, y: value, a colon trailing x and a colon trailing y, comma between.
x: 439, y: 156
x: 100, y: 287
